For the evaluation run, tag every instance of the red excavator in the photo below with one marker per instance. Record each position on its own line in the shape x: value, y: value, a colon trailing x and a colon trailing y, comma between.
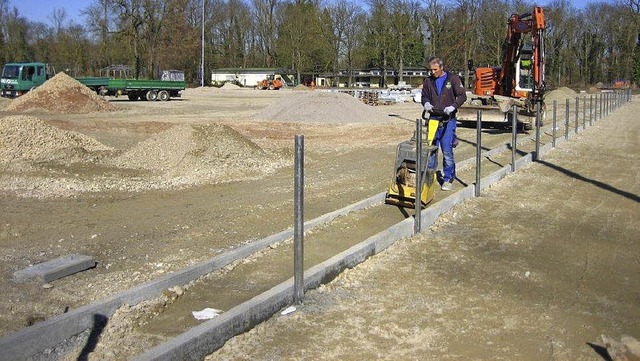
x: 520, y: 79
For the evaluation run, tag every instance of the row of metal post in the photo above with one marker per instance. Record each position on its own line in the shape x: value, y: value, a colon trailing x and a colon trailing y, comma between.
x: 604, y: 104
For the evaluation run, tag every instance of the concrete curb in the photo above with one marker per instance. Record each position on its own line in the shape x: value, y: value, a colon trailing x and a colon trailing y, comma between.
x: 204, y: 339
x: 45, y: 335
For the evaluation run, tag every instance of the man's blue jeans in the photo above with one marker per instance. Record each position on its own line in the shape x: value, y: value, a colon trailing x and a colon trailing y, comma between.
x: 444, y: 139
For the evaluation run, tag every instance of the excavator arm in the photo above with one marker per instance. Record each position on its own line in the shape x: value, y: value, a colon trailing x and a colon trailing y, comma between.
x: 522, y: 71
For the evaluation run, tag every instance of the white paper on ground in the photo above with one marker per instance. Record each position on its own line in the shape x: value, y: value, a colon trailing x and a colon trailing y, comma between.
x: 206, y: 314
x: 288, y: 310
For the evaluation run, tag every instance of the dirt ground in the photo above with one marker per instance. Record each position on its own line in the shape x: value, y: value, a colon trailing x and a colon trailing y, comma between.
x: 544, y: 265
x: 152, y: 187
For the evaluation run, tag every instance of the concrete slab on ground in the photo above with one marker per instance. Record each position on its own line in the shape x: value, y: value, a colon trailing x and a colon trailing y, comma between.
x: 55, y: 269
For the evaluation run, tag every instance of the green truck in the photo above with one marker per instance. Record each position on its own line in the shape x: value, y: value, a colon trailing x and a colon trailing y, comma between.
x: 19, y: 78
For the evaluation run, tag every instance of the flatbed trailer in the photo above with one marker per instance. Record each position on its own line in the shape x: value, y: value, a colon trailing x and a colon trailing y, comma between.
x: 94, y: 83
x: 136, y: 89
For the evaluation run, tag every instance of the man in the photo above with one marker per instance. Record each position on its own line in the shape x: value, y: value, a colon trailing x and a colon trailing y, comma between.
x: 444, y: 91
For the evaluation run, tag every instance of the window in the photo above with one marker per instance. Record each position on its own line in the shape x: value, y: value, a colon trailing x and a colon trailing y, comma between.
x: 27, y: 72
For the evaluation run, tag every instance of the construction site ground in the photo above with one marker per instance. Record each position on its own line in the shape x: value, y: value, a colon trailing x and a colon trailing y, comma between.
x: 538, y: 267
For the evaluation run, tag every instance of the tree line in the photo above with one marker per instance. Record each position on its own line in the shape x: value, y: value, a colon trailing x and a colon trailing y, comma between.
x: 599, y: 43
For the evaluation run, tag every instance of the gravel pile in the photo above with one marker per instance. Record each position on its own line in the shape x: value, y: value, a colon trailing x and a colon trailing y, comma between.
x: 199, y: 153
x: 28, y: 139
x: 322, y: 106
x: 61, y: 94
x: 230, y: 86
x: 179, y: 157
x: 559, y: 95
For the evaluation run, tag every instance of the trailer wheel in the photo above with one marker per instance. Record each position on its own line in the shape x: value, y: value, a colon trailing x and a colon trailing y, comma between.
x: 152, y: 95
x: 133, y: 96
x: 163, y: 95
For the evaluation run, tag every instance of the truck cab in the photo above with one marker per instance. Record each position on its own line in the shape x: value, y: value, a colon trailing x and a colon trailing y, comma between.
x: 18, y: 78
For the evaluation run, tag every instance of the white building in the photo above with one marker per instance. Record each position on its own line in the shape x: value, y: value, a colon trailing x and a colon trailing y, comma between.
x: 247, y: 77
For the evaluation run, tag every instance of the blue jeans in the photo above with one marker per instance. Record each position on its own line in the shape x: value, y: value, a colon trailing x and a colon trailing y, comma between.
x: 444, y: 140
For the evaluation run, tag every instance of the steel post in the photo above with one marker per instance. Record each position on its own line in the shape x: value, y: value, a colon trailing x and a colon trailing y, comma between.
x: 514, y: 137
x: 600, y: 107
x: 591, y: 110
x: 555, y: 125
x: 478, y: 151
x: 576, y: 112
x: 417, y: 226
x: 298, y: 232
x: 537, y: 156
x: 584, y: 113
x: 566, y: 120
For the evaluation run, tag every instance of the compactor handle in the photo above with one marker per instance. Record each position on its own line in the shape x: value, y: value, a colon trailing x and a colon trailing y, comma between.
x: 434, y: 113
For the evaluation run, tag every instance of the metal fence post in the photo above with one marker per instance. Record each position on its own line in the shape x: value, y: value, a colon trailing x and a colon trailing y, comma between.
x: 538, y: 108
x: 584, y: 113
x: 576, y: 112
x: 566, y: 120
x: 600, y: 107
x: 478, y: 151
x: 555, y: 125
x: 514, y: 137
x: 418, y: 202
x: 591, y: 110
x: 298, y: 205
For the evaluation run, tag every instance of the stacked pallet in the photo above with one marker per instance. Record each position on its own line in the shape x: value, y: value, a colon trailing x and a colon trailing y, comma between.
x: 369, y: 97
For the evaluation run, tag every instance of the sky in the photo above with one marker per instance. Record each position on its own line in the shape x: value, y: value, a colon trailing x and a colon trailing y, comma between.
x: 41, y: 10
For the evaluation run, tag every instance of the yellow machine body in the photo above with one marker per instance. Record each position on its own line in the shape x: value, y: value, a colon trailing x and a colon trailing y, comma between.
x: 402, y: 190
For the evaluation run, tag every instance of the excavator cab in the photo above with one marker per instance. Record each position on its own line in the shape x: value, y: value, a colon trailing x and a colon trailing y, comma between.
x: 524, y: 70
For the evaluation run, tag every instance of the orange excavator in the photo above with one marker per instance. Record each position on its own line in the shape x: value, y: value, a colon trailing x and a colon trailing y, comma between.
x: 520, y: 78
x: 270, y: 83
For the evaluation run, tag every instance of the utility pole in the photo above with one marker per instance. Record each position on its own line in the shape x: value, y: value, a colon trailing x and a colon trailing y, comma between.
x: 202, y: 58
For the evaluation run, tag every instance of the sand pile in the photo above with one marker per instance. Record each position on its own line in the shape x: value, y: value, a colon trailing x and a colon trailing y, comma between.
x: 322, y: 106
x: 560, y: 95
x: 230, y: 86
x: 24, y: 138
x: 301, y: 87
x: 61, y: 94
x: 193, y: 154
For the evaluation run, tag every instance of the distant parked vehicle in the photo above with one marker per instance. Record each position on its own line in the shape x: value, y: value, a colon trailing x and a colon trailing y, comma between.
x: 19, y: 78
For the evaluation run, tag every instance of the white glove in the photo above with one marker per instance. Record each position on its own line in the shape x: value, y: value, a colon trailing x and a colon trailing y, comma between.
x: 428, y: 107
x: 448, y: 110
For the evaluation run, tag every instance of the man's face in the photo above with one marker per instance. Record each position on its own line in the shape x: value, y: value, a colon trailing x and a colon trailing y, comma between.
x: 436, y: 70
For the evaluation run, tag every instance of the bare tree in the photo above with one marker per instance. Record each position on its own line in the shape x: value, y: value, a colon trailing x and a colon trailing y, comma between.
x: 266, y: 24
x: 344, y: 19
x: 433, y: 27
x: 405, y: 29
x: 378, y: 37
x: 58, y: 17
x: 130, y: 23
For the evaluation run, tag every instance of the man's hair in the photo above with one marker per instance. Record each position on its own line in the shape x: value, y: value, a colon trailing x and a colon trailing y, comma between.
x: 436, y: 60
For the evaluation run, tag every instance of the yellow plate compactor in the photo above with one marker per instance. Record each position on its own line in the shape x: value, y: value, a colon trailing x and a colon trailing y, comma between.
x: 402, y: 190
